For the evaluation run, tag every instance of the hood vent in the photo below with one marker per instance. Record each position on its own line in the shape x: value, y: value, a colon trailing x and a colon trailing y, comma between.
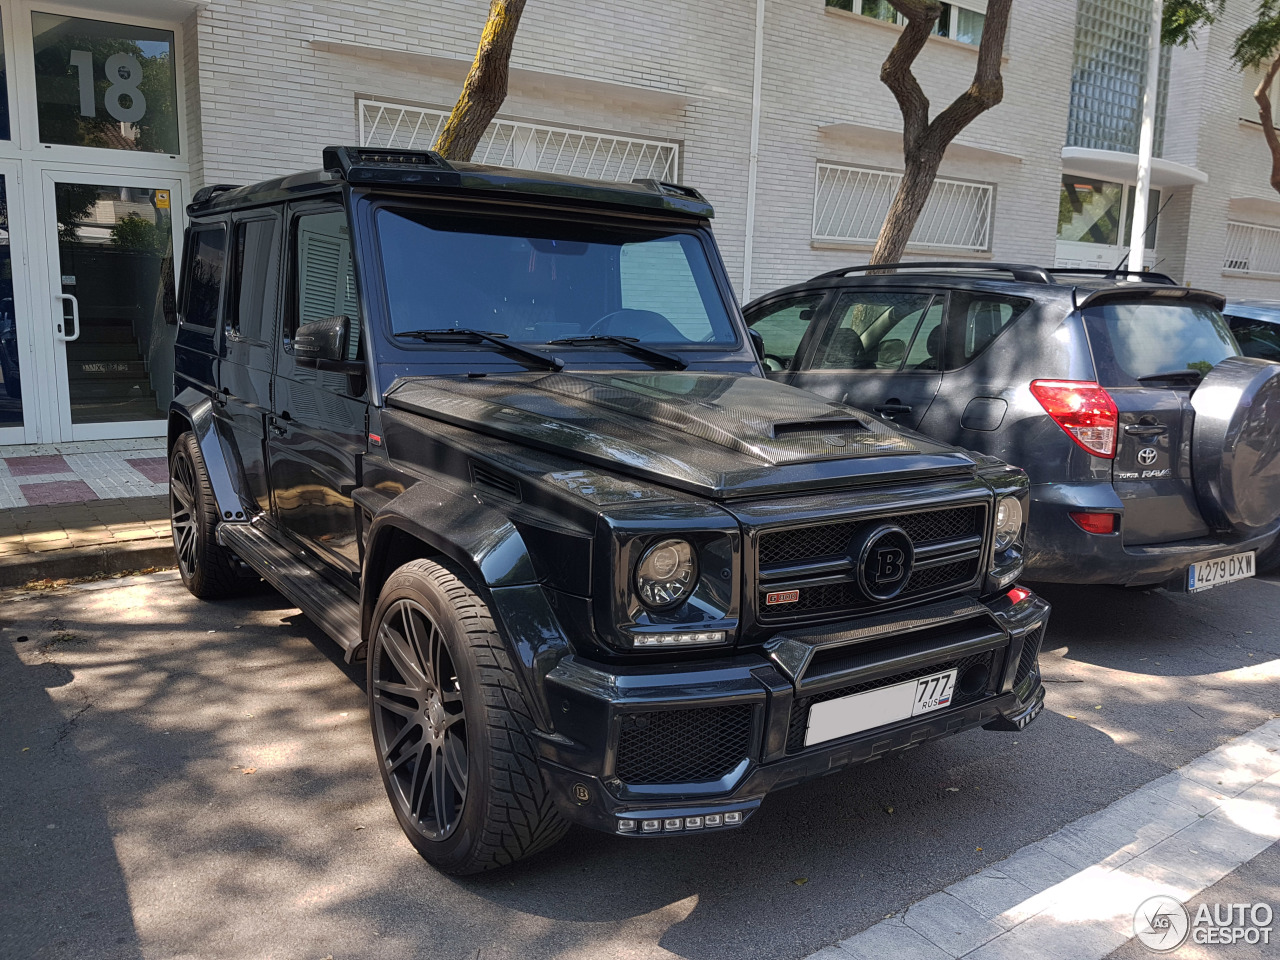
x: 833, y: 425
x: 490, y: 481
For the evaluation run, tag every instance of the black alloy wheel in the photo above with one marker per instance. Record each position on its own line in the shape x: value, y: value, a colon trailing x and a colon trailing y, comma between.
x: 419, y: 721
x: 182, y: 512
x: 209, y: 571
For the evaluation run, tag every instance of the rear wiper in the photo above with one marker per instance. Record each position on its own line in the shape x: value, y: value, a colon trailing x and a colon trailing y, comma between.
x: 631, y: 345
x: 499, y: 340
x: 1190, y: 376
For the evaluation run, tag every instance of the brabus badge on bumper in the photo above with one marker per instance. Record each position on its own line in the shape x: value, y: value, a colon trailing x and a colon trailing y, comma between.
x: 781, y: 596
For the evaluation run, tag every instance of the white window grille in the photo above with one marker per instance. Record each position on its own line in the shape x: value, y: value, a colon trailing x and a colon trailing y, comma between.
x: 1253, y: 249
x: 850, y: 205
x: 527, y: 146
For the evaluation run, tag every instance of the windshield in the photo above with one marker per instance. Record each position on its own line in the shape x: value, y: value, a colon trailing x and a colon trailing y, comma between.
x: 539, y: 280
x: 1149, y: 338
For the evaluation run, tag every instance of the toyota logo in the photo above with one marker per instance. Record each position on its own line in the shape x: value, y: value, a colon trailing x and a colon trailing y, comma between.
x: 1147, y: 456
x: 883, y: 559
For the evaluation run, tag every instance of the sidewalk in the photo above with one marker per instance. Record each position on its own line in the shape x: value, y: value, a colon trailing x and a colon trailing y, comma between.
x: 83, y: 509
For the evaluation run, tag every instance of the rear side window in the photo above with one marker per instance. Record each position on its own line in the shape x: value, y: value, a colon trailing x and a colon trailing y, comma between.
x: 873, y: 330
x: 1257, y: 338
x: 1139, y: 339
x: 976, y: 320
x: 204, y: 276
x: 255, y: 268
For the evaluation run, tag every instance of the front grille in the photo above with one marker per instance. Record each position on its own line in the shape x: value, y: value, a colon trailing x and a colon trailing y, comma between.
x: 799, y: 546
x: 1030, y: 651
x: 800, y: 708
x: 683, y: 746
x: 831, y: 540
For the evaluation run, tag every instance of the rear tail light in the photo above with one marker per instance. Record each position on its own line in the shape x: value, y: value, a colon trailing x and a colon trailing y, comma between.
x: 1084, y: 410
x: 1095, y: 522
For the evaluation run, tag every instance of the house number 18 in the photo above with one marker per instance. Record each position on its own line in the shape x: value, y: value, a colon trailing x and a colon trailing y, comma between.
x: 124, y: 73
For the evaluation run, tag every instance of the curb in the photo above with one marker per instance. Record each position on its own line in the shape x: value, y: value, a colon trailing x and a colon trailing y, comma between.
x: 91, y: 561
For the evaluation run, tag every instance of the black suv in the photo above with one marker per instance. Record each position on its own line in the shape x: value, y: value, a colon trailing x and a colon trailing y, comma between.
x: 1152, y: 447
x: 506, y: 435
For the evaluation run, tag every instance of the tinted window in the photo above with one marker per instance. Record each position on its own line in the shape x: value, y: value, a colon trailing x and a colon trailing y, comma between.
x: 1257, y: 338
x: 540, y: 280
x: 976, y: 320
x: 872, y: 330
x: 325, y: 272
x: 1132, y: 340
x: 783, y: 325
x: 204, y: 276
x: 256, y: 258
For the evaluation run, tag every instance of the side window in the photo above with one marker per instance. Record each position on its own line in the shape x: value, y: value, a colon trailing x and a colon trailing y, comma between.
x: 783, y: 326
x: 872, y: 330
x: 324, y: 272
x: 204, y: 277
x: 976, y: 319
x: 926, y: 348
x: 1257, y: 338
x: 255, y: 268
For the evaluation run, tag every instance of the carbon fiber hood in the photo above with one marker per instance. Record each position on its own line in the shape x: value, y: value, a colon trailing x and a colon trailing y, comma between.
x: 715, y: 434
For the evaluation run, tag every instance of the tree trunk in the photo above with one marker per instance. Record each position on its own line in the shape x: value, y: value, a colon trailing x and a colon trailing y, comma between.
x: 924, y: 142
x: 486, y: 85
x: 1266, y: 113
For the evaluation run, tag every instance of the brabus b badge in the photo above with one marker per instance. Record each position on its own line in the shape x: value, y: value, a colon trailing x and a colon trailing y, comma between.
x: 781, y: 596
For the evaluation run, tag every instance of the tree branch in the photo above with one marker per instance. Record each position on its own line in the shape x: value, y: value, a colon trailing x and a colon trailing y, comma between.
x: 895, y: 72
x: 987, y: 88
x: 1266, y: 113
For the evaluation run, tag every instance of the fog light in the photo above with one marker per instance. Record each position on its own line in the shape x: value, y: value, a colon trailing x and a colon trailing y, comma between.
x: 712, y: 819
x: 677, y: 639
x: 673, y: 824
x: 732, y: 818
x: 693, y: 823
x: 626, y: 826
x: 650, y: 826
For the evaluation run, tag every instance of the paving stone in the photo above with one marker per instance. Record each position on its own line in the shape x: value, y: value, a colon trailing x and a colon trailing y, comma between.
x: 891, y: 939
x: 950, y: 924
x: 992, y: 893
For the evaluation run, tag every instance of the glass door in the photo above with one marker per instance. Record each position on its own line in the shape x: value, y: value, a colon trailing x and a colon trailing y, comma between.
x: 15, y: 309
x: 111, y: 246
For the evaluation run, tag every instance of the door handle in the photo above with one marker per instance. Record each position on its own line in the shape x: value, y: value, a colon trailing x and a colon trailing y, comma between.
x: 276, y: 427
x: 1146, y: 430
x: 75, y: 318
x: 892, y: 408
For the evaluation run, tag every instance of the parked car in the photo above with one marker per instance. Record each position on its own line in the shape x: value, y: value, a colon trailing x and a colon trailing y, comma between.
x: 505, y: 435
x: 1151, y: 445
x: 1256, y: 326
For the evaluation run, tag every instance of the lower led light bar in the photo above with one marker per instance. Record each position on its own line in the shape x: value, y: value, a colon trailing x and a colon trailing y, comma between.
x: 677, y: 639
x: 680, y: 824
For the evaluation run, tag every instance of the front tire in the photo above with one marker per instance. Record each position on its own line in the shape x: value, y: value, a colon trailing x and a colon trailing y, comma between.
x: 453, y: 736
x: 208, y: 570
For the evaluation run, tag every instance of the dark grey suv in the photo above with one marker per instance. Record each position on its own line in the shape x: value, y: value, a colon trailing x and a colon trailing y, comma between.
x: 1152, y: 446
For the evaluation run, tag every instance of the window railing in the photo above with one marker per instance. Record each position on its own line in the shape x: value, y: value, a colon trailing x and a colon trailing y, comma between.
x: 1252, y: 249
x: 527, y: 146
x: 850, y: 205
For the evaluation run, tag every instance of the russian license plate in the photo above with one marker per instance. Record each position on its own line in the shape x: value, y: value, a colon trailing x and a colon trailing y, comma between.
x: 1208, y: 574
x: 875, y: 708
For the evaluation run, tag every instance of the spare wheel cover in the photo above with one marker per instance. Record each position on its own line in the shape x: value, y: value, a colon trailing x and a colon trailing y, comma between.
x: 1235, y: 447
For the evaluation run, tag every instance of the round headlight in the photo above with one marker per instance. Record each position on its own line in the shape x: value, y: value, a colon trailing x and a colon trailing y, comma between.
x: 666, y: 573
x: 1008, y: 522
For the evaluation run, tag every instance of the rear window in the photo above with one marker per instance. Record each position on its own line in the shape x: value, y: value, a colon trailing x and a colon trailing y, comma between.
x: 1139, y: 339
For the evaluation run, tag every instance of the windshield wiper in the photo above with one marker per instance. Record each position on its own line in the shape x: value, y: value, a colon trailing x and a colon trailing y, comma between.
x: 465, y: 335
x: 631, y: 345
x: 1190, y: 376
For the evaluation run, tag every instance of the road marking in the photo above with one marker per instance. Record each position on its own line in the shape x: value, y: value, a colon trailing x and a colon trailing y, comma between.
x: 1072, y: 895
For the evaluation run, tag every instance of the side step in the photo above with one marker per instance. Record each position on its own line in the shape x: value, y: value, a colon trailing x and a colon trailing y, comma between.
x: 331, y: 609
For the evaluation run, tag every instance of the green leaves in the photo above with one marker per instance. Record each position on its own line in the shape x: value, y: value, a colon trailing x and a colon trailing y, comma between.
x: 1258, y: 43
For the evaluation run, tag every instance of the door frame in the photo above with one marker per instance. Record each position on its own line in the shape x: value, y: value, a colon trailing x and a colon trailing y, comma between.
x: 20, y: 245
x: 45, y: 267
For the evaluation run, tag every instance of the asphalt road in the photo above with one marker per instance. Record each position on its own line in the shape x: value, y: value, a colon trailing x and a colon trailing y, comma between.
x: 189, y: 780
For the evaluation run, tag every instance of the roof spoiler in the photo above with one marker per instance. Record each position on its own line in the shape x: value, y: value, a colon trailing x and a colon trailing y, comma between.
x: 1022, y: 272
x: 1154, y: 292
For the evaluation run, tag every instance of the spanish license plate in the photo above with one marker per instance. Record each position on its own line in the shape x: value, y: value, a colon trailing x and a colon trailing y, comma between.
x: 875, y: 708
x: 1208, y: 574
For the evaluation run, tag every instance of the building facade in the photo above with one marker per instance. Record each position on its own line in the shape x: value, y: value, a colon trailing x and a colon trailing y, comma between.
x: 115, y: 113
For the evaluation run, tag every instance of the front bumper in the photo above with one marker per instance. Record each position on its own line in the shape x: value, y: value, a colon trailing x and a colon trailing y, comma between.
x: 680, y: 714
x: 1059, y: 551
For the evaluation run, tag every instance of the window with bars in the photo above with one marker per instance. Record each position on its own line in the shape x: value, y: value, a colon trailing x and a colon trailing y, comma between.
x: 962, y: 22
x: 1253, y: 249
x: 527, y: 146
x: 850, y: 204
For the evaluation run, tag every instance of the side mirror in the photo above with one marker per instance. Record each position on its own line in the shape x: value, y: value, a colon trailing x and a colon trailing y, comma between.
x: 325, y: 345
x: 757, y: 341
